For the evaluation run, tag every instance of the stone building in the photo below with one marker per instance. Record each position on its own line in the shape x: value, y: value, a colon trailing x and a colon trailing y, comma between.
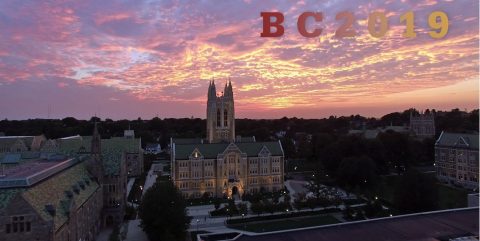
x: 456, y: 159
x: 222, y: 164
x: 50, y: 200
x: 68, y: 191
x: 422, y: 125
x: 220, y: 114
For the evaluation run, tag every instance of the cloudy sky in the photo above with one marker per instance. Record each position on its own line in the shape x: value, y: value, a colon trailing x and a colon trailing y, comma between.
x: 129, y: 59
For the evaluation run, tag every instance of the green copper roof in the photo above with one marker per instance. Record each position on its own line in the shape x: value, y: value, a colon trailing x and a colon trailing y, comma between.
x: 211, y: 150
x: 112, y: 149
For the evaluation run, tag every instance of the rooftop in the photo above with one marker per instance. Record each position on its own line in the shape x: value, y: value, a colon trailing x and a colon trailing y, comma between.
x: 433, y: 226
x: 211, y: 150
x: 462, y: 140
x: 29, y: 173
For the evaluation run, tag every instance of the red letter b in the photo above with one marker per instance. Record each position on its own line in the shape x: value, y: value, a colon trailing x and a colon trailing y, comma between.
x: 267, y: 24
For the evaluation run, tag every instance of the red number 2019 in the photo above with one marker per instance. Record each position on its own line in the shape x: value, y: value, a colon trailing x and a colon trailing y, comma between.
x: 378, y: 24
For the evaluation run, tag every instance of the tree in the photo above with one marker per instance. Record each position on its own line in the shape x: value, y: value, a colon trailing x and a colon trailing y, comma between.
x: 311, y: 203
x: 299, y: 201
x: 257, y: 208
x: 216, y: 203
x: 242, y: 208
x: 163, y: 213
x: 416, y: 192
x: 356, y: 172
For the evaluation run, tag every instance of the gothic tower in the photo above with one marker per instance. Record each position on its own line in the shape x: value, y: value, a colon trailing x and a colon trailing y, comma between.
x: 96, y: 164
x: 220, y: 114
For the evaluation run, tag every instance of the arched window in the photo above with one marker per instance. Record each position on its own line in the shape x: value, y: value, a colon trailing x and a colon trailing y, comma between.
x: 218, y: 117
x: 225, y: 117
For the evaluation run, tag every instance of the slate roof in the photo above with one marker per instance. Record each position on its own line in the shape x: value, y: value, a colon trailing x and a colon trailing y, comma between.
x: 53, y: 192
x: 211, y: 150
x: 112, y: 149
x: 456, y: 139
x: 6, y: 195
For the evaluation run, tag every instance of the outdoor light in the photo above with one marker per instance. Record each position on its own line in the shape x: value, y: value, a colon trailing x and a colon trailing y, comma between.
x: 376, y: 198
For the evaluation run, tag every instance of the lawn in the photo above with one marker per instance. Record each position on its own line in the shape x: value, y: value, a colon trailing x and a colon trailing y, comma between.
x: 449, y: 197
x: 291, y: 223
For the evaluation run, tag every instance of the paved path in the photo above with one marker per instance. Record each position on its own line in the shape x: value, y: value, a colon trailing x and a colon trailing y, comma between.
x: 296, y: 186
x: 104, y: 234
x: 150, y: 180
x: 135, y: 232
x: 130, y: 185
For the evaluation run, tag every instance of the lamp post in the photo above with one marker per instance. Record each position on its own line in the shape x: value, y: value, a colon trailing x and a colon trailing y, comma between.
x: 197, y: 224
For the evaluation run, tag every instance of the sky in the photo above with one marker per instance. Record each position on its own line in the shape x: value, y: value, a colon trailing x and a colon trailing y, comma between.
x: 148, y: 58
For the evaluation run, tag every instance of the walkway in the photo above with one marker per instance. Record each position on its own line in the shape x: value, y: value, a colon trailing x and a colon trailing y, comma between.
x: 135, y: 232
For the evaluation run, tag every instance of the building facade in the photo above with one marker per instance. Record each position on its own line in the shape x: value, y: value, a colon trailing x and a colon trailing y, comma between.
x: 422, y: 125
x: 223, y: 165
x: 220, y: 114
x: 456, y: 159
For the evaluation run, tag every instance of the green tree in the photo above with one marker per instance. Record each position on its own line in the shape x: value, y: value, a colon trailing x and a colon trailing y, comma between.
x: 216, y: 203
x: 163, y: 213
x: 357, y: 172
x: 416, y: 192
x: 257, y: 208
x: 242, y: 208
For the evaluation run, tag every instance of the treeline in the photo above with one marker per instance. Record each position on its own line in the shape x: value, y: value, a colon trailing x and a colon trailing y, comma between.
x: 159, y: 130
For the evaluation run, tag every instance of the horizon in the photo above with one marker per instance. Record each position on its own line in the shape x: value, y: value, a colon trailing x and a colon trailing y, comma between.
x: 245, y: 118
x: 124, y: 60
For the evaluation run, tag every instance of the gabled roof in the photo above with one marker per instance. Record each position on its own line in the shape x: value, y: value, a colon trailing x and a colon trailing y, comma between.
x: 468, y: 141
x: 211, y: 150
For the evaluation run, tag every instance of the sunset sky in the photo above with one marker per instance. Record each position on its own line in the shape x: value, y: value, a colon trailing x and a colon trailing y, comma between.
x: 129, y: 59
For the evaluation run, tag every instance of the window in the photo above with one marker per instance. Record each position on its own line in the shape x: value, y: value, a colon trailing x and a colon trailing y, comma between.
x: 218, y: 117
x: 18, y: 225
x: 225, y: 118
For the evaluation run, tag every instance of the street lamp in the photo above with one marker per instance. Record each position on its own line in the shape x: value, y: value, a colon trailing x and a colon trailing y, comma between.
x: 197, y: 224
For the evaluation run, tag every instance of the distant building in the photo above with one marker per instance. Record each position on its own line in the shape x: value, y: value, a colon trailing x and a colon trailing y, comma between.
x: 21, y: 143
x: 223, y: 164
x: 373, y: 133
x: 422, y: 125
x: 153, y: 148
x: 456, y: 159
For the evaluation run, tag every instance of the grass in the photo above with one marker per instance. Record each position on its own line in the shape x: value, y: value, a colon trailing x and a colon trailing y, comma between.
x: 451, y: 197
x: 290, y: 223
